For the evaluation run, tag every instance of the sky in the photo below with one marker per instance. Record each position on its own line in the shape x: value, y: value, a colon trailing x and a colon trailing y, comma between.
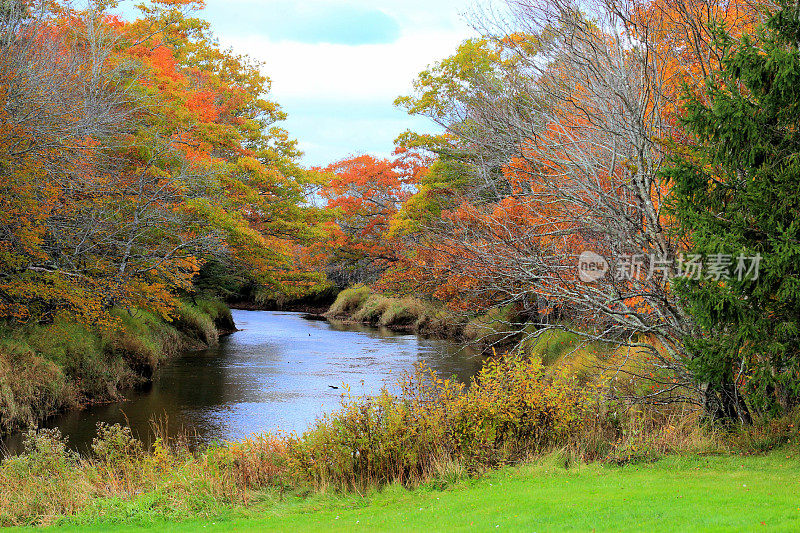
x: 337, y: 65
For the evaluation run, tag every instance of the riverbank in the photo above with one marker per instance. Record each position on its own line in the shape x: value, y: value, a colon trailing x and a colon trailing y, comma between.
x: 279, y: 372
x: 435, y: 434
x: 46, y: 369
x: 677, y: 493
x: 315, y: 304
x: 360, y: 304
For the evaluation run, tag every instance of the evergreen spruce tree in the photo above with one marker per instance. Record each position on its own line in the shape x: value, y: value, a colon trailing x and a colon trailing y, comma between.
x: 738, y: 193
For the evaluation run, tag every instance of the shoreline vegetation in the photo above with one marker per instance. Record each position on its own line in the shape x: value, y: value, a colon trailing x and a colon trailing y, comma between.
x: 50, y: 368
x: 544, y: 404
x: 410, y: 314
x: 360, y: 304
x: 434, y: 435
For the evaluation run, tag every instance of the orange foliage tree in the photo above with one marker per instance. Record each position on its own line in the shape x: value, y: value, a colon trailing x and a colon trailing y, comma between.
x: 132, y: 154
x: 557, y: 125
x: 363, y: 194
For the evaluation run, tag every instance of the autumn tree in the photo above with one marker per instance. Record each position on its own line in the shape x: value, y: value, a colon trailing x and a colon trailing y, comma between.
x: 132, y: 155
x: 58, y: 100
x: 221, y: 123
x: 364, y: 193
x: 558, y: 123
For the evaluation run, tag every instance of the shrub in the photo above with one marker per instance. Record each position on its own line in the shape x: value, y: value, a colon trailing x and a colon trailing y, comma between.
x: 42, y: 483
x: 258, y: 461
x: 45, y: 453
x: 121, y: 482
x: 512, y: 409
x: 115, y: 444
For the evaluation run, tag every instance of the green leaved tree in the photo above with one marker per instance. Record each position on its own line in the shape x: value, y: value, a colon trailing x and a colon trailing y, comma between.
x: 737, y: 194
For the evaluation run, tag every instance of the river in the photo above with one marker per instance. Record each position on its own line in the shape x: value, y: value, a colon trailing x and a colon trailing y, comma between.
x: 280, y: 372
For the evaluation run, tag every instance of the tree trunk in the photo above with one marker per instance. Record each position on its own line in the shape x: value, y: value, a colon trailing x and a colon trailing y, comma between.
x: 723, y: 403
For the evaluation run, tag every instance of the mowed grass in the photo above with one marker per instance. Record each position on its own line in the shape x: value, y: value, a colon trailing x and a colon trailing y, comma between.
x: 716, y: 493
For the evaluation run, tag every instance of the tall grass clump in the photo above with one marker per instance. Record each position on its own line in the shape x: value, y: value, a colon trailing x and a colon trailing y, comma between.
x: 410, y: 311
x: 372, y: 309
x: 349, y: 301
x: 31, y: 386
x: 195, y: 324
x: 406, y: 313
x: 141, y: 339
x: 553, y: 345
x: 78, y: 351
x: 219, y: 313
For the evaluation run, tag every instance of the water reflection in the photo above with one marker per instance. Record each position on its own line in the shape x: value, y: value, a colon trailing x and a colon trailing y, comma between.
x: 279, y: 372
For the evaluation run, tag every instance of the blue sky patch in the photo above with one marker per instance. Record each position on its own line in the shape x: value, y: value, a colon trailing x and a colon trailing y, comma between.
x: 312, y: 22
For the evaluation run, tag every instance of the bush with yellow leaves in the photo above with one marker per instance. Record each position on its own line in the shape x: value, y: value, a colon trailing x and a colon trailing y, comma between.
x: 512, y: 409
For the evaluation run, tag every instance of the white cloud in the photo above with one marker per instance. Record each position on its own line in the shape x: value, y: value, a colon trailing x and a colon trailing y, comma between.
x: 340, y: 97
x: 338, y: 72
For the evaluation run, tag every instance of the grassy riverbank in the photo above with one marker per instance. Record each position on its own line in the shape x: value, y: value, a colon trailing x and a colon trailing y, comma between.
x: 360, y: 304
x: 62, y: 365
x: 435, y: 434
x: 408, y: 313
x: 678, y: 493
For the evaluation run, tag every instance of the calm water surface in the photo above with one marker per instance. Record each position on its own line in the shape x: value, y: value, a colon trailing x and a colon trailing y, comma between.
x: 277, y: 373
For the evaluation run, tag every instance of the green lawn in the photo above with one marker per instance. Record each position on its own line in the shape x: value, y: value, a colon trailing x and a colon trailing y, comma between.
x: 675, y: 494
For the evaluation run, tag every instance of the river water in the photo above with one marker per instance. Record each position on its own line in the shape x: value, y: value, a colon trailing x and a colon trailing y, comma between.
x: 277, y: 373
